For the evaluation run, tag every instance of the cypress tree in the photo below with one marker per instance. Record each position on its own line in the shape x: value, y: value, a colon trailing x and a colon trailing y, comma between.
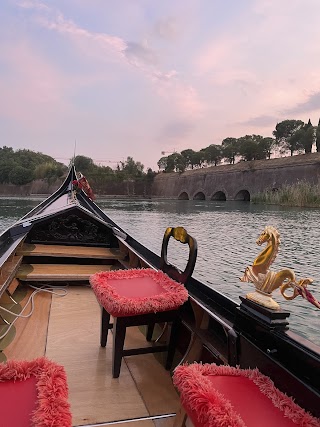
x: 318, y: 137
x: 308, y: 137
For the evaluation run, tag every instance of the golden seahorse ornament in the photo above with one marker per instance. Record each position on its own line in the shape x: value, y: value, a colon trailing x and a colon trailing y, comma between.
x: 266, y: 281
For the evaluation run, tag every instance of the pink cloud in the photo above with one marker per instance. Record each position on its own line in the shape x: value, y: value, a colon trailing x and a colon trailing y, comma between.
x: 103, y: 47
x: 33, y: 90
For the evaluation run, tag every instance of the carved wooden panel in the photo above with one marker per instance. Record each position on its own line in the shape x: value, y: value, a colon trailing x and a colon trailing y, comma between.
x: 72, y: 229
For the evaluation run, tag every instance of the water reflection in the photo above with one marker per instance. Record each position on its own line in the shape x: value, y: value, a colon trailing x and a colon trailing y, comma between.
x: 13, y: 208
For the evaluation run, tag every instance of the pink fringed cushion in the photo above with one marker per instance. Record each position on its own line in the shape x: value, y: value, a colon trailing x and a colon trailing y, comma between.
x: 34, y: 394
x: 137, y: 291
x: 223, y: 396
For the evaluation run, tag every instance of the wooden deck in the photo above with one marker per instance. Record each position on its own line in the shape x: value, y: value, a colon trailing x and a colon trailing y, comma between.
x: 69, y: 251
x: 66, y: 330
x: 64, y: 272
x: 58, y: 272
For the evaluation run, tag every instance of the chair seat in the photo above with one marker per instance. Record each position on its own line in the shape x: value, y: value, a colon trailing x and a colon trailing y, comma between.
x: 33, y: 393
x: 138, y: 291
x: 223, y: 396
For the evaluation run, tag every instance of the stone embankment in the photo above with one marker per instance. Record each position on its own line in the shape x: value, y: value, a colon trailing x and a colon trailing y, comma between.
x: 131, y: 188
x: 224, y: 182
x: 240, y: 181
x: 38, y: 187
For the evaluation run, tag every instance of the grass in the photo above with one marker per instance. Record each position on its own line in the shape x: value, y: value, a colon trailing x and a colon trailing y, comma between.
x: 302, y: 194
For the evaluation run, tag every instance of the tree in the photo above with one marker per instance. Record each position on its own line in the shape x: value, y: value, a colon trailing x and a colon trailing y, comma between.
x: 266, y: 145
x: 6, y: 153
x: 34, y: 165
x: 162, y: 163
x: 285, y: 135
x: 190, y: 157
x: 303, y: 139
x: 49, y: 171
x: 318, y: 137
x: 131, y: 169
x: 212, y: 154
x: 175, y: 163
x: 83, y: 164
x: 30, y: 160
x: 6, y: 166
x: 170, y: 166
x: 230, y: 149
x: 308, y: 137
x: 150, y: 174
x: 255, y: 147
x: 198, y: 158
x: 20, y: 175
x: 248, y: 147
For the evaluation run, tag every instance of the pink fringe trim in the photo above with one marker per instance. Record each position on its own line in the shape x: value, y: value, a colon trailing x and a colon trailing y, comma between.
x: 53, y: 409
x: 173, y: 296
x: 214, y: 410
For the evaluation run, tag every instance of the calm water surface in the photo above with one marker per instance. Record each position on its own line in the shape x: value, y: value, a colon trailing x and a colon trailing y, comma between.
x: 226, y: 233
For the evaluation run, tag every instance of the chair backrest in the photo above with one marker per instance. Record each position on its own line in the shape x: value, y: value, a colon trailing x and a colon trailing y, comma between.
x: 181, y: 235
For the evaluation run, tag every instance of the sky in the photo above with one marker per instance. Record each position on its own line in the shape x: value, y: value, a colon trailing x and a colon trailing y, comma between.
x: 111, y: 79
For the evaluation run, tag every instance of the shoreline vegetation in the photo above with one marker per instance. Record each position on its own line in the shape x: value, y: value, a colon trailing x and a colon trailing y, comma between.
x: 301, y: 194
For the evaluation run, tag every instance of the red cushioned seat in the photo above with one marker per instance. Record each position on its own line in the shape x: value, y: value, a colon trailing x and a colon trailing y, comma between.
x: 145, y: 296
x: 33, y: 393
x: 137, y: 291
x: 223, y: 396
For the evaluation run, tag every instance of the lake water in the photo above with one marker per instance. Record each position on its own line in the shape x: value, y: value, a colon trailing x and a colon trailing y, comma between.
x: 226, y: 233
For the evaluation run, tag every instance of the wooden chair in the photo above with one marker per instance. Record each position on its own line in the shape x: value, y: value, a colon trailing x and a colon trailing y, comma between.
x: 220, y: 396
x: 137, y: 297
x: 33, y: 393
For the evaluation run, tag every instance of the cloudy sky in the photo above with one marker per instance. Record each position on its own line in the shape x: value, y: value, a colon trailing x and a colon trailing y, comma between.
x: 137, y: 77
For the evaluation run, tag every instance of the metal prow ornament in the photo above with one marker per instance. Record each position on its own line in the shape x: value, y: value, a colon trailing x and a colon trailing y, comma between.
x: 266, y: 281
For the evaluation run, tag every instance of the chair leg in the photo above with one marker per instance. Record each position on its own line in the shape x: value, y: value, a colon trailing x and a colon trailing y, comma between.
x: 105, y: 321
x: 119, y: 334
x: 173, y: 342
x: 150, y: 329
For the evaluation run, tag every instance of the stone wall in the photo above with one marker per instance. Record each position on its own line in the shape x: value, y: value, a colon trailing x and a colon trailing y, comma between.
x: 42, y: 187
x: 37, y: 187
x: 240, y: 181
x: 226, y: 182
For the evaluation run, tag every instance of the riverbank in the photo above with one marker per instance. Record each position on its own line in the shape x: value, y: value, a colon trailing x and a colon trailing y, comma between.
x: 261, y: 181
x: 301, y: 194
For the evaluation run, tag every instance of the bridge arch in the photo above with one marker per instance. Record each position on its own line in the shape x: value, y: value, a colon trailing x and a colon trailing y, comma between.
x: 199, y: 196
x: 219, y: 195
x: 183, y: 196
x: 243, y: 195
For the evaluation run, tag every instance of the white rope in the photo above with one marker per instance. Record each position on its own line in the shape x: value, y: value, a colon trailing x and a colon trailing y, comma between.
x: 58, y: 291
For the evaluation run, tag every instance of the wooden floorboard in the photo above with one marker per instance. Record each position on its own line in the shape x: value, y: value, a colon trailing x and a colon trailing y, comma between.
x: 134, y: 423
x: 162, y: 422
x: 71, y: 337
x: 156, y: 402
x: 73, y: 341
x: 58, y: 272
x: 31, y: 333
x: 69, y: 251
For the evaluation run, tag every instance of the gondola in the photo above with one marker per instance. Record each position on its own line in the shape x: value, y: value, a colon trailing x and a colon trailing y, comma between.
x: 49, y: 257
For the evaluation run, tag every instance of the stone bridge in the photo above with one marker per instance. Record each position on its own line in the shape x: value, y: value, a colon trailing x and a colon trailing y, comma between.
x: 237, y: 182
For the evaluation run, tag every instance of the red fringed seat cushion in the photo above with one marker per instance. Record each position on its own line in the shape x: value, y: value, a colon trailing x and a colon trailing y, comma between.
x: 137, y: 291
x: 34, y: 394
x: 223, y: 396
